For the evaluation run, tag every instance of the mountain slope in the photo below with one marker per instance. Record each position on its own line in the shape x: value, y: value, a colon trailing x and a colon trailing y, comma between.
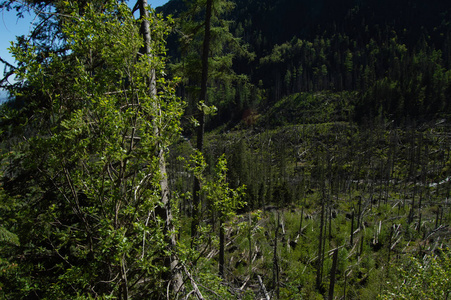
x: 395, y: 54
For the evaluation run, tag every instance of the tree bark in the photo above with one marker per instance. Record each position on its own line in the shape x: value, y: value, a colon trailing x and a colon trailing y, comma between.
x: 332, y: 274
x: 174, y: 276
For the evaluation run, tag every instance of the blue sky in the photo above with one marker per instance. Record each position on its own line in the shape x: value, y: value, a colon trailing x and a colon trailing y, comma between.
x: 10, y: 27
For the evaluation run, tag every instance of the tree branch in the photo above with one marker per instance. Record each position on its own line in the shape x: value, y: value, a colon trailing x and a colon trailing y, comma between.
x: 193, y: 283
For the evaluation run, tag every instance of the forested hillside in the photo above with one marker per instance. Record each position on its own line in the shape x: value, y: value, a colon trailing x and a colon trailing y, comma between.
x: 396, y: 54
x: 215, y: 149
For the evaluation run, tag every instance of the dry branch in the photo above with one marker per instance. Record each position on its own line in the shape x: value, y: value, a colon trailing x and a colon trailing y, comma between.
x: 193, y: 283
x: 265, y: 292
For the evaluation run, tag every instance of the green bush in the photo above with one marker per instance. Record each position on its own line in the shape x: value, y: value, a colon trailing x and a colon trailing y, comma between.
x: 427, y: 278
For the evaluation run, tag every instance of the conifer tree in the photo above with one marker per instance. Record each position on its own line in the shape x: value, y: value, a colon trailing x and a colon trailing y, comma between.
x: 209, y: 71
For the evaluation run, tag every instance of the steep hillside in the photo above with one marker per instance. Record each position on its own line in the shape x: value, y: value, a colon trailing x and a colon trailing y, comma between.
x: 324, y: 171
x: 395, y: 54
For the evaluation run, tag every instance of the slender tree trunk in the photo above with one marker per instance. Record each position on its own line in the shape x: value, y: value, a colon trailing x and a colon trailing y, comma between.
x: 344, y: 285
x: 319, y: 267
x: 352, y: 228
x: 145, y: 31
x: 221, y: 249
x: 332, y: 274
x: 359, y: 214
x: 174, y: 276
x: 276, y: 258
x: 124, y: 285
x: 249, y: 237
x: 300, y: 223
x: 201, y: 114
x: 330, y: 221
x: 361, y: 244
x: 389, y: 251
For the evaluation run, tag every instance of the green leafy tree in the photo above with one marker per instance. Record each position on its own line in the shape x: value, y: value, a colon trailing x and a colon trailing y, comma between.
x: 8, y: 240
x: 95, y: 217
x: 221, y: 200
x: 224, y: 202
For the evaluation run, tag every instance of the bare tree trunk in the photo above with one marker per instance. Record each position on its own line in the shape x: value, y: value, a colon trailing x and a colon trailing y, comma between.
x: 221, y: 248
x: 174, y: 276
x: 352, y: 228
x: 319, y: 266
x: 201, y: 115
x: 332, y: 274
x: 276, y: 258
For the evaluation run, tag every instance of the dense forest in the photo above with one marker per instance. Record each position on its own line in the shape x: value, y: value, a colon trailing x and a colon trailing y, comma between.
x: 216, y: 149
x: 396, y: 54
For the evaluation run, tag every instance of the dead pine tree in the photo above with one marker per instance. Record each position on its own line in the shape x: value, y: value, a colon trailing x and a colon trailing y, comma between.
x: 352, y: 228
x: 332, y: 274
x: 319, y: 265
x: 275, y: 270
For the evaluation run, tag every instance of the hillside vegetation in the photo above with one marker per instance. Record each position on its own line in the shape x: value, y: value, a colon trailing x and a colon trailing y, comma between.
x: 376, y: 194
x: 284, y: 149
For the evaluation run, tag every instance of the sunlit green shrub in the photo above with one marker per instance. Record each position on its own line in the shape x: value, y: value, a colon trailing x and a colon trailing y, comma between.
x: 427, y: 278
